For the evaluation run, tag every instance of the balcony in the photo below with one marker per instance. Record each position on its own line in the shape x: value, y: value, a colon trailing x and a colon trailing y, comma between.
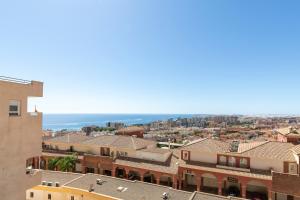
x: 64, y: 152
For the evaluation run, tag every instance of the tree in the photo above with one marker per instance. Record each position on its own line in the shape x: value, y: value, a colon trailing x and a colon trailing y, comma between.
x: 52, y: 164
x: 67, y: 163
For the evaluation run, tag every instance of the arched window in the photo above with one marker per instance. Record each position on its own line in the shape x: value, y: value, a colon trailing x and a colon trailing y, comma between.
x: 231, y: 161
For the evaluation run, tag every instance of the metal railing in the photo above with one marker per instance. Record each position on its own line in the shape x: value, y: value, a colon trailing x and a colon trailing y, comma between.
x: 14, y: 80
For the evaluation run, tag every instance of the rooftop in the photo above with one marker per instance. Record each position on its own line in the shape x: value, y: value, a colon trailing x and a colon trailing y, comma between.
x: 262, y: 149
x: 104, y: 140
x: 122, y: 188
x: 208, y: 145
x: 14, y: 80
x: 120, y: 141
x: 61, y: 177
x: 290, y: 131
x: 170, y: 166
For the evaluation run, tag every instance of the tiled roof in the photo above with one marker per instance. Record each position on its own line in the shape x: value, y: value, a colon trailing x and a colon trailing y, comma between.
x: 271, y: 150
x: 208, y: 145
x: 296, y: 149
x: 131, y: 129
x: 247, y: 146
x: 120, y: 141
x: 104, y: 140
x: 264, y: 149
x: 157, y: 150
x: 289, y: 131
x: 169, y: 167
x: 69, y: 138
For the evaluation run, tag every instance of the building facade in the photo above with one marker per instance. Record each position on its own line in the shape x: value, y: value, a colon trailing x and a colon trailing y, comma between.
x: 244, y: 170
x: 290, y: 134
x: 21, y: 134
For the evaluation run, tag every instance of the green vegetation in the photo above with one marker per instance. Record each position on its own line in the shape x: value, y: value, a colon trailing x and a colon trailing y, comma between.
x: 65, y: 164
x: 89, y: 129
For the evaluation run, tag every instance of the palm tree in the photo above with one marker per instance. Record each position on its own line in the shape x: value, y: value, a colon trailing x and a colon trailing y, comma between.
x: 67, y: 163
x: 52, y: 164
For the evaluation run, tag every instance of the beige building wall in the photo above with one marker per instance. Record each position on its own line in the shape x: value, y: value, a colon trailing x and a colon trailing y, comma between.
x: 20, y: 138
x: 202, y: 156
x: 63, y: 193
x: 266, y: 164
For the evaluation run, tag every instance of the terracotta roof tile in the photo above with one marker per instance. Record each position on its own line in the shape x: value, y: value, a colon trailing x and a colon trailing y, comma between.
x: 208, y: 145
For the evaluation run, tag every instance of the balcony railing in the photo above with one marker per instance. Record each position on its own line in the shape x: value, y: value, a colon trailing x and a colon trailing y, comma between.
x: 14, y: 80
x: 66, y: 152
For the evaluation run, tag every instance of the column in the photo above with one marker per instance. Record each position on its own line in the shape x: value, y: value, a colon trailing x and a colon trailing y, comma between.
x: 142, y: 176
x: 174, y: 182
x: 113, y: 171
x: 198, y: 182
x: 243, y: 190
x: 46, y: 163
x: 126, y: 173
x: 158, y: 180
x: 180, y: 182
x: 269, y: 193
x: 220, y: 186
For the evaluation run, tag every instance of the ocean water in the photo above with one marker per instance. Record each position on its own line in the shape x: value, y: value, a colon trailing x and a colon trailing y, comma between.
x: 77, y: 121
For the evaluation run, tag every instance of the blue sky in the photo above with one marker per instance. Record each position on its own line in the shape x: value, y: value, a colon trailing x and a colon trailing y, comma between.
x: 126, y: 56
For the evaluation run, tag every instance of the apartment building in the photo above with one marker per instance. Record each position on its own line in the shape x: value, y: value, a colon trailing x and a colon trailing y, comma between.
x: 289, y: 134
x: 95, y: 154
x: 244, y: 170
x: 71, y: 186
x: 21, y: 134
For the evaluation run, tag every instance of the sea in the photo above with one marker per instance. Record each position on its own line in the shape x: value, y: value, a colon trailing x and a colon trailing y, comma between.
x: 57, y: 122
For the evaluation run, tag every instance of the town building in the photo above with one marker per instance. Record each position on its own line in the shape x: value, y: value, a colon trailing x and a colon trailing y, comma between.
x: 95, y: 154
x: 70, y: 186
x: 205, y: 165
x: 289, y: 134
x: 132, y: 131
x: 115, y: 125
x: 21, y: 136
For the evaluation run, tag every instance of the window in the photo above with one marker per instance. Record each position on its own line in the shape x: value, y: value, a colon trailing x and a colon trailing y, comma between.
x: 243, y: 163
x: 222, y: 160
x: 104, y: 151
x: 49, y: 196
x: 31, y: 194
x: 90, y: 170
x: 185, y: 155
x: 293, y: 168
x: 14, y: 108
x: 72, y: 198
x: 231, y: 161
x: 290, y: 197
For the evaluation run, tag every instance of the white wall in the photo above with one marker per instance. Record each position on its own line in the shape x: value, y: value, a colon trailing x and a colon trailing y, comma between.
x: 205, y: 157
x: 266, y: 164
x: 152, y: 156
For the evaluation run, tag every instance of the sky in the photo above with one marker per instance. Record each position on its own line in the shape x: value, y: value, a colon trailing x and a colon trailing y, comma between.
x: 171, y: 56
